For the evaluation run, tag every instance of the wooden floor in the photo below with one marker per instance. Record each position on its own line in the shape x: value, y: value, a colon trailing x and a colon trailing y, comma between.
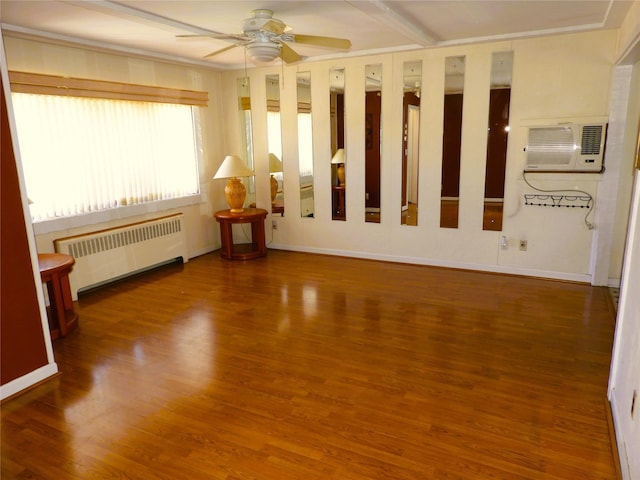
x: 491, y: 216
x: 299, y: 366
x: 410, y: 215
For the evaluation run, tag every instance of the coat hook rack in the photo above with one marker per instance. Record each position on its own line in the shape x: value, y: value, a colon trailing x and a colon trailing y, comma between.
x: 549, y: 200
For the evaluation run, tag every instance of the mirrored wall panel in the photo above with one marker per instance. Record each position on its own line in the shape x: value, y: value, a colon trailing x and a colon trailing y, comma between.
x: 497, y: 136
x: 412, y: 81
x: 244, y: 104
x: 451, y: 140
x: 274, y: 139
x: 373, y: 141
x: 338, y: 156
x: 305, y: 143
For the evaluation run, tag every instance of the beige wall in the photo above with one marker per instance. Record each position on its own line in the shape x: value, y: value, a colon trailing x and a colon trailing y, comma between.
x: 560, y: 78
x: 555, y: 78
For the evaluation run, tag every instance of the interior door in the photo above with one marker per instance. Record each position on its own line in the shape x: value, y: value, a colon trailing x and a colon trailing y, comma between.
x: 413, y: 132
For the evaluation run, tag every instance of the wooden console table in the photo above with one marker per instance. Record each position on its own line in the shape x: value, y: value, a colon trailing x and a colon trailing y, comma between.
x: 54, y: 272
x: 257, y: 247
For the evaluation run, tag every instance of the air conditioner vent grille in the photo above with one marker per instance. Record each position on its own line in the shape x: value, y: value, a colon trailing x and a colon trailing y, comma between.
x: 550, y: 146
x: 591, y: 137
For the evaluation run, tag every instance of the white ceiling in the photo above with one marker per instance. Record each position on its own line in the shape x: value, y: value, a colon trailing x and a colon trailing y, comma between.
x: 150, y: 27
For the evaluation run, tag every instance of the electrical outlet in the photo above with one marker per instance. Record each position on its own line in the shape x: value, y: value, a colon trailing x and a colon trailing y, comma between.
x: 504, y: 243
x: 274, y: 224
x: 523, y: 245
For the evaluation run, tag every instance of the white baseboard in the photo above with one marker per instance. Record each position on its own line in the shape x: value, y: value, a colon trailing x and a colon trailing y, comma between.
x: 28, y: 380
x: 613, y: 282
x: 527, y: 272
x: 617, y: 418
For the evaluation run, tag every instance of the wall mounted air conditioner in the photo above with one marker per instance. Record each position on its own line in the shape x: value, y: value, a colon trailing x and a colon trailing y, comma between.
x: 573, y: 147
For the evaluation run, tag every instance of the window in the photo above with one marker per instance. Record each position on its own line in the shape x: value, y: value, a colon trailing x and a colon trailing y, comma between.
x: 82, y: 154
x: 274, y: 133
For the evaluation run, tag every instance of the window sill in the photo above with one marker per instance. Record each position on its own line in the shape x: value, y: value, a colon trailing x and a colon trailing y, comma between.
x: 47, y: 226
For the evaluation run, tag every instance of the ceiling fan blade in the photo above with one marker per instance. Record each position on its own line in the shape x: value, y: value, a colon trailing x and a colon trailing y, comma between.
x: 288, y: 55
x: 331, y: 42
x: 222, y: 36
x: 217, y: 52
x: 274, y: 27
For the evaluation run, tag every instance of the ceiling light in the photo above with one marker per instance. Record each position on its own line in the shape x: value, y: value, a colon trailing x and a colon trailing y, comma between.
x: 263, y: 52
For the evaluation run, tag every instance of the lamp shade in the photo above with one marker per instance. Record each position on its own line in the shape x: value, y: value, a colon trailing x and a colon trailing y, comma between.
x: 338, y: 157
x: 233, y: 166
x: 275, y: 164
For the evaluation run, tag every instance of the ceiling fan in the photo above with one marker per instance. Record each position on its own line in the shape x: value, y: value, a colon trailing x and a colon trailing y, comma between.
x: 267, y: 38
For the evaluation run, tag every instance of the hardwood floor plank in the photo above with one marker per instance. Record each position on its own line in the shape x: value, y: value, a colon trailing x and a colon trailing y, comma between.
x: 300, y: 366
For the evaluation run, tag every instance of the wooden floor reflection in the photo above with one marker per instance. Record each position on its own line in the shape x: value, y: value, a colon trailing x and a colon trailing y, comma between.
x: 410, y: 215
x: 491, y: 215
x: 299, y: 366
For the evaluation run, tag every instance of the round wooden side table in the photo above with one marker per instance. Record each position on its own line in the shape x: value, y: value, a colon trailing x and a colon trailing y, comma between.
x: 247, y: 251
x: 54, y: 272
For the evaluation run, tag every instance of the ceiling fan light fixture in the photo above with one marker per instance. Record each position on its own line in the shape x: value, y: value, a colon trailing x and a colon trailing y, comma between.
x: 266, y: 38
x: 263, y: 52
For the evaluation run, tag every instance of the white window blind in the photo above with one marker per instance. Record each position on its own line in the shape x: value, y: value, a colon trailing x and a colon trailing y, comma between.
x: 305, y: 144
x: 274, y: 134
x: 82, y: 155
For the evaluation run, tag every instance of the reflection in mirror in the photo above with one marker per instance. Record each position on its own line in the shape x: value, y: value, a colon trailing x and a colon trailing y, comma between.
x: 338, y: 157
x: 373, y: 146
x: 305, y: 143
x: 412, y: 81
x: 451, y: 140
x: 499, y: 98
x: 244, y: 104
x: 274, y: 139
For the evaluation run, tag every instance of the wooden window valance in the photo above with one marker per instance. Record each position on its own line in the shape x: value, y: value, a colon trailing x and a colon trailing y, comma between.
x: 23, y: 82
x: 273, y: 105
x: 304, y: 107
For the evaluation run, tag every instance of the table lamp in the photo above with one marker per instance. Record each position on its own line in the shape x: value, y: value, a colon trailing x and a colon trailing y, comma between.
x: 338, y: 159
x: 235, y: 192
x: 275, y: 165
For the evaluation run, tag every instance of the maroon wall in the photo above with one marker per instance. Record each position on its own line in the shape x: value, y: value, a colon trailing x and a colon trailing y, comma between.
x: 497, y: 143
x: 451, y: 144
x: 22, y: 347
x: 372, y: 148
x: 340, y: 119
